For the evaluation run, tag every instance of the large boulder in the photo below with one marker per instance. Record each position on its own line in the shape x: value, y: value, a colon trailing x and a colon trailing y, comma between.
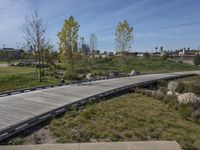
x: 134, y: 73
x: 172, y: 86
x: 169, y: 93
x: 188, y: 98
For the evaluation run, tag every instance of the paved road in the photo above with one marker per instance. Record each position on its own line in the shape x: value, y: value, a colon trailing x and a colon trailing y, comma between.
x: 21, y: 110
x: 148, y: 145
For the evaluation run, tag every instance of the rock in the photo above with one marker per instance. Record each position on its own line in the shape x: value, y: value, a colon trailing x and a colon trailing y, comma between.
x: 113, y: 73
x: 188, y: 98
x: 169, y: 93
x: 89, y: 76
x: 172, y: 86
x: 134, y: 73
x: 177, y: 94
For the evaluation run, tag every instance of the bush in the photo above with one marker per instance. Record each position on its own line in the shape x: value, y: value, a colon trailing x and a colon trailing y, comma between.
x: 16, y: 141
x: 197, y: 60
x: 165, y: 57
x: 71, y: 76
x: 162, y: 83
x: 163, y: 90
x: 159, y: 96
x: 195, y: 88
x: 181, y: 87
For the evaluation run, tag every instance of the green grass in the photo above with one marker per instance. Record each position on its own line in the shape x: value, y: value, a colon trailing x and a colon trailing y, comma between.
x: 12, y: 78
x: 21, y: 77
x: 190, y: 79
x: 133, y: 117
x: 6, y: 71
x: 154, y: 64
x: 2, y: 62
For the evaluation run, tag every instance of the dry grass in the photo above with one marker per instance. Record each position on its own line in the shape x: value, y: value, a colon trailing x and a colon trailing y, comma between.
x: 129, y: 118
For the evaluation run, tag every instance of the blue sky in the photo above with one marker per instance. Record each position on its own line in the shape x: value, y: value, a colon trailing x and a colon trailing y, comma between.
x: 170, y: 23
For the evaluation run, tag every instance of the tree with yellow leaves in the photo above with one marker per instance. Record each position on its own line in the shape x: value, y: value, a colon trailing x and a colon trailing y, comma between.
x: 68, y: 42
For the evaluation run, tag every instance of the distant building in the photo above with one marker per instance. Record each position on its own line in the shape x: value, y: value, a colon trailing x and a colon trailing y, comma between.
x: 97, y: 52
x: 85, y: 49
x: 7, y: 54
x: 110, y: 54
x: 140, y: 54
x: 105, y: 52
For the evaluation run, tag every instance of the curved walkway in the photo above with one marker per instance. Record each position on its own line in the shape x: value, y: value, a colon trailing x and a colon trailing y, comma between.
x: 17, y: 112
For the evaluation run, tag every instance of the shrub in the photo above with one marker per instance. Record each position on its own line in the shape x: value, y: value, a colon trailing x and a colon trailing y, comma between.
x: 16, y: 141
x: 197, y: 60
x: 159, y: 96
x: 162, y: 83
x: 165, y: 57
x: 71, y: 76
x: 195, y: 88
x: 181, y: 87
x: 163, y: 90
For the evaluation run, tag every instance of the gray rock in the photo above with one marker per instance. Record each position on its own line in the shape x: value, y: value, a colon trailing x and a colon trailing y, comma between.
x: 113, y: 73
x: 169, y: 93
x: 172, y: 86
x: 188, y: 98
x: 134, y: 73
x: 89, y: 76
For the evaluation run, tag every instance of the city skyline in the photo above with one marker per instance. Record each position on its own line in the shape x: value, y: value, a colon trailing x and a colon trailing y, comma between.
x: 173, y: 24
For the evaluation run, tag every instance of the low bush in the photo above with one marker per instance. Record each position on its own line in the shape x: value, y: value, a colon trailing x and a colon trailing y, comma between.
x: 187, y: 111
x: 16, y: 141
x: 195, y: 88
x: 71, y: 76
x: 181, y: 87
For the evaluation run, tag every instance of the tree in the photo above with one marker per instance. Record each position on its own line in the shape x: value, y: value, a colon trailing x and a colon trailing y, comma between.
x: 156, y: 49
x: 34, y: 32
x: 123, y: 37
x: 68, y: 39
x: 93, y: 43
x: 197, y: 60
x: 161, y: 48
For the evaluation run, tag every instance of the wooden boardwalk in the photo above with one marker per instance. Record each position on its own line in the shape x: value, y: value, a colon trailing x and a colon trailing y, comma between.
x: 17, y: 112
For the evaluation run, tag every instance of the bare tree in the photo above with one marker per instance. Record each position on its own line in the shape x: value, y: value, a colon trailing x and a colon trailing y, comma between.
x: 93, y: 43
x: 34, y: 33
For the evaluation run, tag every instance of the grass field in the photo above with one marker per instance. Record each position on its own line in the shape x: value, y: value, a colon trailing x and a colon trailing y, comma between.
x: 133, y: 117
x: 190, y: 79
x: 2, y: 62
x: 154, y: 64
x: 21, y: 77
x: 12, y: 78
